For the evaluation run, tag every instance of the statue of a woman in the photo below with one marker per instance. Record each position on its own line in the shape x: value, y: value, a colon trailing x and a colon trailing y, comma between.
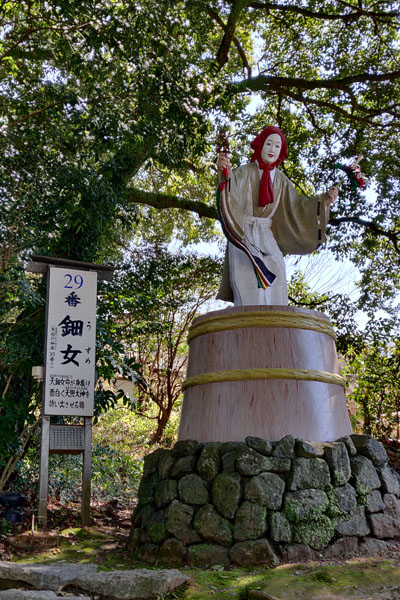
x: 263, y: 216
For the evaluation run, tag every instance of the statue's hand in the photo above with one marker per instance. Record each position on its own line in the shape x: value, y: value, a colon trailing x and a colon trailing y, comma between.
x: 223, y: 162
x: 332, y: 194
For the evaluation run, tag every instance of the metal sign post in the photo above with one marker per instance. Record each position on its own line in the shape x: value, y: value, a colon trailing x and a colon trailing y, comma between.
x: 69, y: 372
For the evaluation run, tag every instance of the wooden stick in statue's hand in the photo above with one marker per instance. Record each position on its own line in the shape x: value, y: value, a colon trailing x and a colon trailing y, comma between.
x: 223, y: 160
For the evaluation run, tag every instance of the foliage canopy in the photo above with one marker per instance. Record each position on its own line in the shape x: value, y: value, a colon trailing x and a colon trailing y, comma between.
x: 113, y: 106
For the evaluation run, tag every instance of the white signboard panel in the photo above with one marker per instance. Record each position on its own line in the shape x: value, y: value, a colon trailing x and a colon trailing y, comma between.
x: 70, y: 342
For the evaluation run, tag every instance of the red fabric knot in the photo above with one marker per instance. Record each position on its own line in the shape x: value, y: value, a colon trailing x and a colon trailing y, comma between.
x: 266, y: 193
x: 226, y: 175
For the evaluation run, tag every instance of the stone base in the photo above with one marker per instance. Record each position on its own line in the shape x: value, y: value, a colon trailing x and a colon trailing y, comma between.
x: 262, y: 502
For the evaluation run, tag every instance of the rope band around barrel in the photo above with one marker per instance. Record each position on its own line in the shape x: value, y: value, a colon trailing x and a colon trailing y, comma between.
x: 255, y: 319
x: 254, y: 374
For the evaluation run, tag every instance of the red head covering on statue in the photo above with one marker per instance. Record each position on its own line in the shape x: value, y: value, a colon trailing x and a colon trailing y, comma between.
x: 266, y: 194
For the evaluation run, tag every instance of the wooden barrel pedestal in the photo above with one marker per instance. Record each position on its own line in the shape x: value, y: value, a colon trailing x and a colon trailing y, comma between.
x: 264, y: 371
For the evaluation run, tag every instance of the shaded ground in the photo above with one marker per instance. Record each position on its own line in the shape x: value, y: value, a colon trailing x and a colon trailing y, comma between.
x: 109, y: 531
x: 360, y: 578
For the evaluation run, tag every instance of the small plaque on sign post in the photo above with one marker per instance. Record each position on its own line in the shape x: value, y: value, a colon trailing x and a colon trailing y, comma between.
x: 70, y: 342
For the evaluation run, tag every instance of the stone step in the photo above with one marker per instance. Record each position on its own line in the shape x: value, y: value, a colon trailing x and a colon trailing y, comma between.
x: 19, y: 594
x: 118, y: 585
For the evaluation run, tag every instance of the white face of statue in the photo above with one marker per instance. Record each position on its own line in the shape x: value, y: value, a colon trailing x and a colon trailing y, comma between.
x: 272, y: 148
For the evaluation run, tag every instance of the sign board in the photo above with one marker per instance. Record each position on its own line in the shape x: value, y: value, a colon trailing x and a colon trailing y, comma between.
x: 70, y: 342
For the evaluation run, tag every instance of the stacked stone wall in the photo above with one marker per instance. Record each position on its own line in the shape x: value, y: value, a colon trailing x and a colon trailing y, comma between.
x: 258, y: 501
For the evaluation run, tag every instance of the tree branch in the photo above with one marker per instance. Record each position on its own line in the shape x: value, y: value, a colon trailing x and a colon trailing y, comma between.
x: 346, y: 17
x: 32, y: 30
x: 35, y: 113
x: 337, y: 109
x: 234, y: 15
x: 393, y: 237
x: 261, y: 82
x: 329, y: 105
x: 201, y: 169
x: 239, y: 48
x: 162, y: 201
x: 287, y: 86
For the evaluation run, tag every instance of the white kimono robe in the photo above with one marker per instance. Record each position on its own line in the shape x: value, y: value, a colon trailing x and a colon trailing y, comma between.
x: 292, y: 224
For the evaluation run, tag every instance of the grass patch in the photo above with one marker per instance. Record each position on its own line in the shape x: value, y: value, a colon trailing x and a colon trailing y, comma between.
x: 311, y: 581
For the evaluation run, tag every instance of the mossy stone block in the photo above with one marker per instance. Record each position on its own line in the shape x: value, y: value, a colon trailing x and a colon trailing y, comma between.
x: 342, y: 500
x: 371, y: 448
x: 193, y: 490
x: 150, y: 462
x: 384, y: 526
x: 183, y: 466
x: 264, y: 447
x: 390, y: 480
x: 229, y: 446
x: 374, y: 502
x: 342, y: 548
x: 265, y: 489
x: 137, y: 537
x: 365, y: 475
x: 250, y: 521
x: 337, y: 457
x: 165, y: 492
x: 208, y: 555
x: 351, y: 449
x: 284, y: 448
x: 309, y: 473
x: 226, y: 494
x: 186, y: 447
x: 280, y: 528
x: 212, y: 527
x: 141, y: 514
x: 165, y: 463
x: 299, y: 553
x: 172, y: 552
x: 209, y: 462
x: 392, y: 506
x: 315, y: 533
x: 277, y: 465
x: 255, y: 552
x: 305, y: 504
x: 249, y: 462
x: 156, y: 527
x: 148, y: 553
x: 309, y: 449
x: 229, y: 461
x: 146, y: 489
x: 354, y: 523
x: 178, y: 522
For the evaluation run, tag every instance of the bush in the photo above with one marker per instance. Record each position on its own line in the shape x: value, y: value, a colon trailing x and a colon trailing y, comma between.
x: 120, y: 442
